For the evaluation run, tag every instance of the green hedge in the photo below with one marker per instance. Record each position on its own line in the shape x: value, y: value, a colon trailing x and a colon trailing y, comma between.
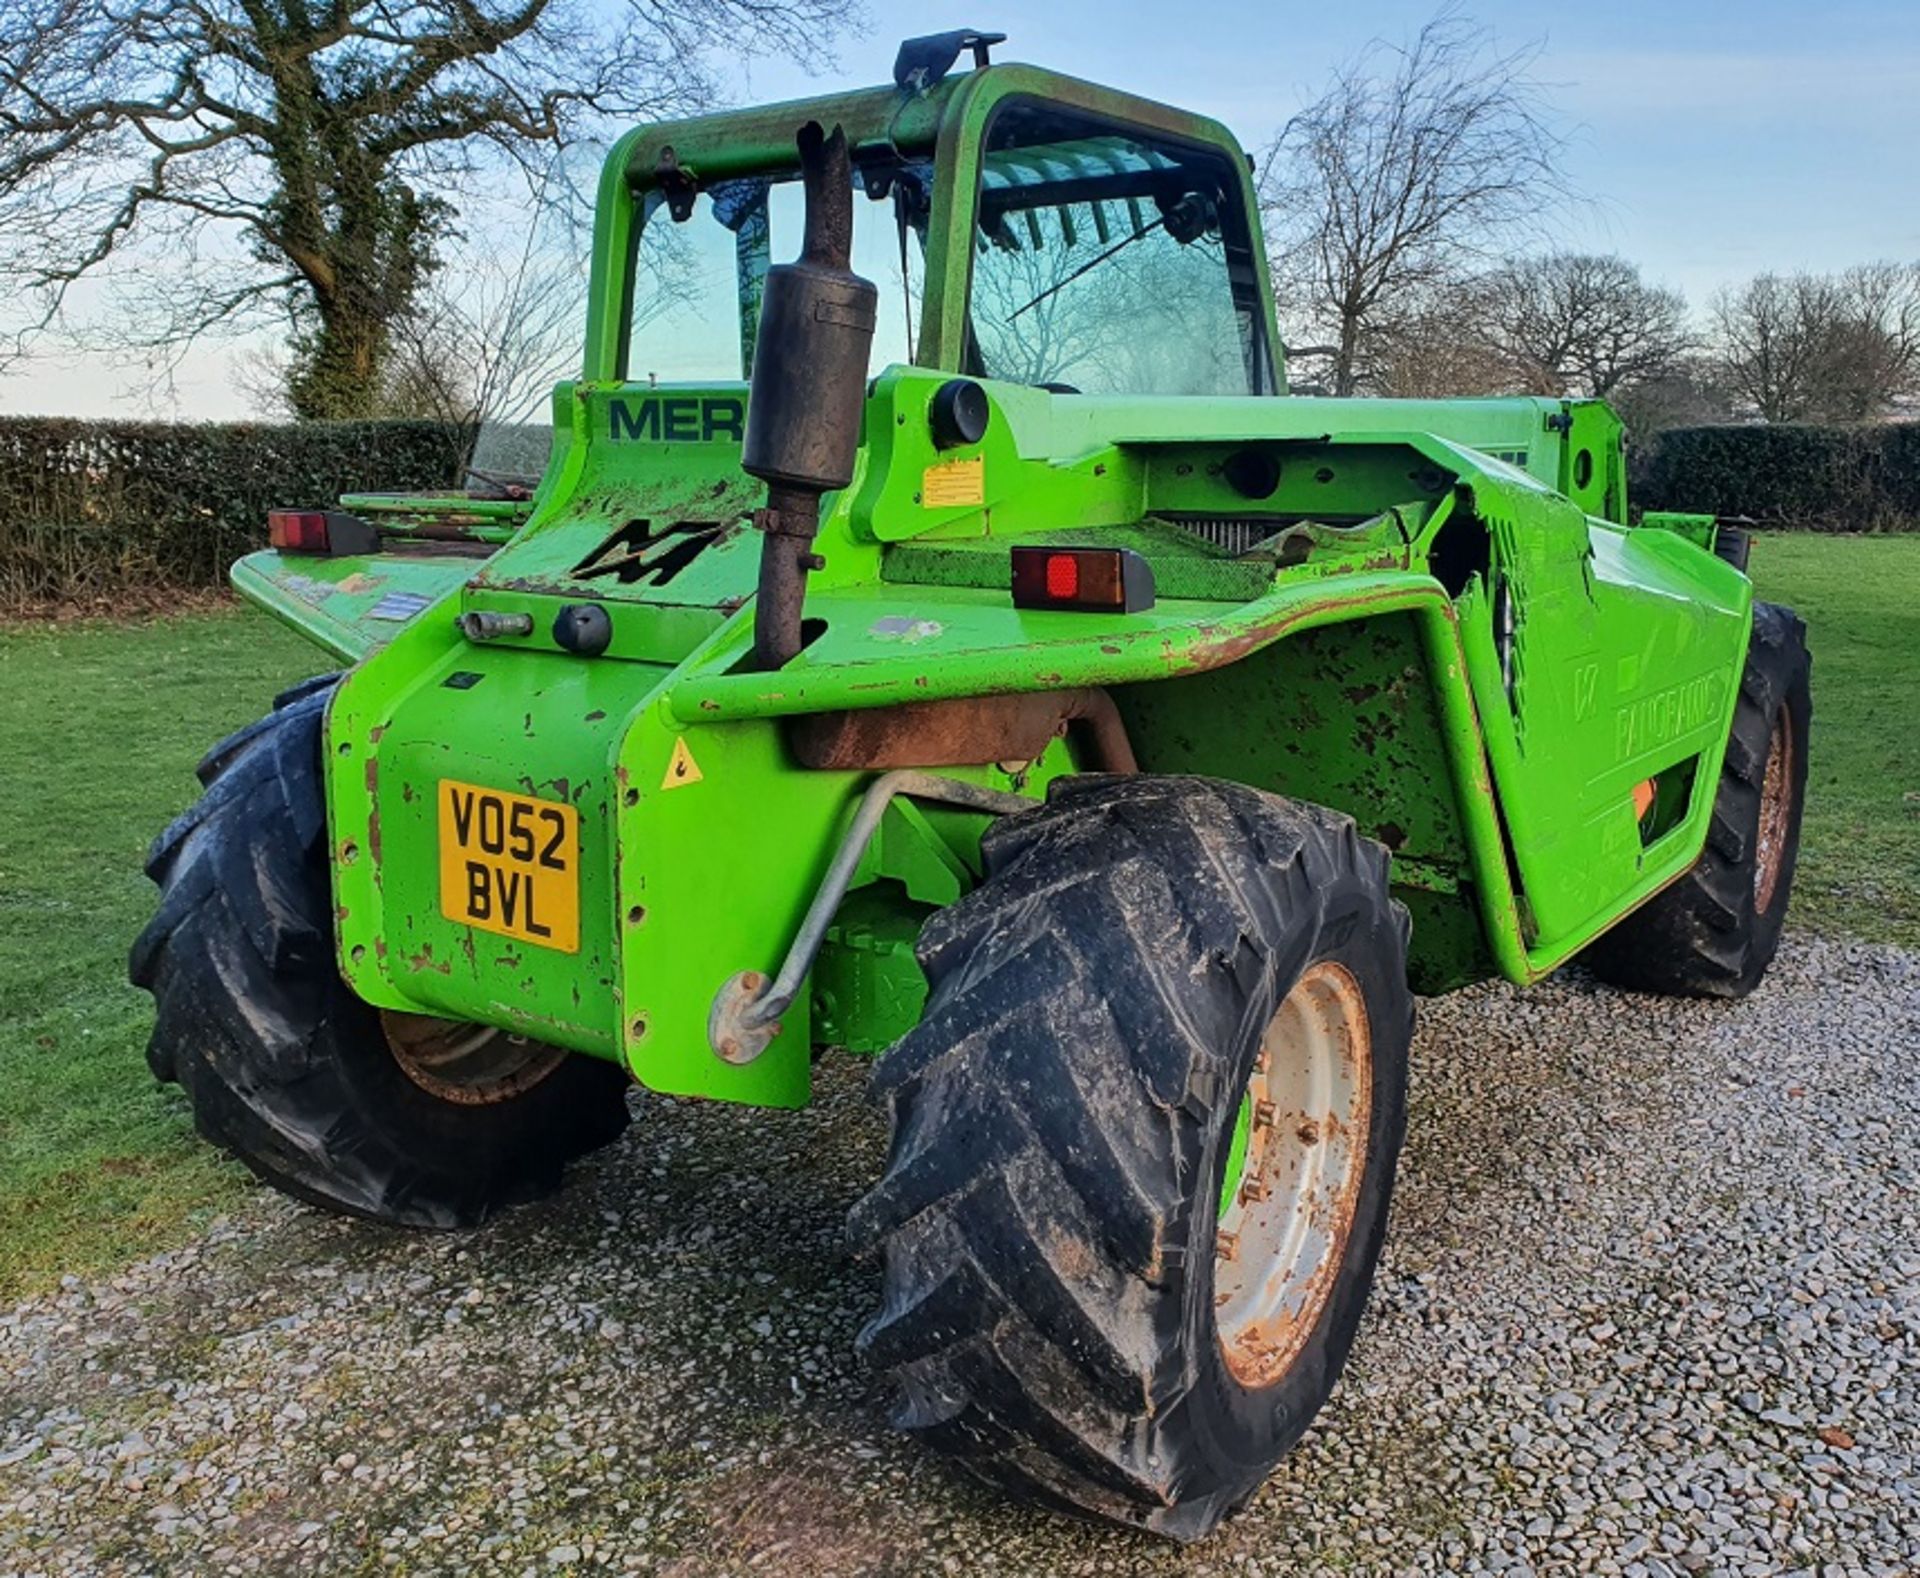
x: 1810, y: 478
x: 121, y: 511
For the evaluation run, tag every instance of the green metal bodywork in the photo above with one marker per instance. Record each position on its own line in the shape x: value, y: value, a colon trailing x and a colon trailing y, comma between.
x: 1438, y: 621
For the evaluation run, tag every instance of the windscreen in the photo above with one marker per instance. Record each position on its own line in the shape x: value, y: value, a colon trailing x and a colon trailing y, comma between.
x: 1110, y: 261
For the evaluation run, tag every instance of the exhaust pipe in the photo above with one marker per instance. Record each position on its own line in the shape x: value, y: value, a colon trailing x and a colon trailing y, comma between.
x: 809, y: 383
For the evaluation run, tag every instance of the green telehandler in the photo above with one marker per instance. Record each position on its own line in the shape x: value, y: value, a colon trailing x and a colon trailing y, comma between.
x: 954, y: 645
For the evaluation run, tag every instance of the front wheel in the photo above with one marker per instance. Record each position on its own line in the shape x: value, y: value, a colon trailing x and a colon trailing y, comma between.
x: 1143, y: 1144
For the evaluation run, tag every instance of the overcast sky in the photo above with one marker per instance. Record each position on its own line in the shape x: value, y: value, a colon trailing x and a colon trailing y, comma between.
x: 1715, y: 139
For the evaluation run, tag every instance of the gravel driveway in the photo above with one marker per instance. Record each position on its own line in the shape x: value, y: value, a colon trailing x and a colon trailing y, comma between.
x: 1651, y: 1304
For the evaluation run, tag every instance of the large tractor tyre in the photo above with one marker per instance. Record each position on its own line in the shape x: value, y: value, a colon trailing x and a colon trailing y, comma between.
x: 399, y: 1118
x: 1143, y: 1143
x: 1714, y: 932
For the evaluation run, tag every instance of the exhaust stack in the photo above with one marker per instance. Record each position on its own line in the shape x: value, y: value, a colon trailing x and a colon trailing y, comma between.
x: 809, y: 381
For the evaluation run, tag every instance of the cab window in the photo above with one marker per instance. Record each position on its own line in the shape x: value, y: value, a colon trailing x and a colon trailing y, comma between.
x: 698, y: 282
x: 1107, y: 260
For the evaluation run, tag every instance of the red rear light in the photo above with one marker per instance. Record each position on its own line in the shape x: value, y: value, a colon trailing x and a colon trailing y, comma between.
x: 320, y: 531
x: 298, y: 531
x: 1063, y: 577
x: 1114, y: 580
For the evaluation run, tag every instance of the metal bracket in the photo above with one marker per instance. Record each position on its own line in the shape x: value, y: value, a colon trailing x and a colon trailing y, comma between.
x: 676, y: 184
x: 746, y: 1011
x: 924, y: 61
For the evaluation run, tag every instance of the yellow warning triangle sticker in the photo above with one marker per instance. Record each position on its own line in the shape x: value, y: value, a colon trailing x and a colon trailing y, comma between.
x: 682, y: 769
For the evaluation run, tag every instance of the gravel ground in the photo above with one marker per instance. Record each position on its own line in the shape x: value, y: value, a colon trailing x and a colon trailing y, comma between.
x: 1651, y: 1304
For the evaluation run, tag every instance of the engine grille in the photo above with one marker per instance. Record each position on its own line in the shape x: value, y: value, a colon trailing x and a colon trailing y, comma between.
x: 1234, y: 534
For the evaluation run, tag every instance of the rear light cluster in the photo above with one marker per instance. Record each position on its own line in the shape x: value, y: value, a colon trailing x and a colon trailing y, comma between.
x: 320, y: 531
x: 1108, y: 580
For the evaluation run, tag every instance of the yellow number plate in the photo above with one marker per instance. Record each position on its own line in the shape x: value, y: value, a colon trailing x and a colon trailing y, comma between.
x: 510, y: 864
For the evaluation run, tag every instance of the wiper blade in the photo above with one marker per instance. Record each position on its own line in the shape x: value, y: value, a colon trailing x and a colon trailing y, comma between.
x: 1091, y: 263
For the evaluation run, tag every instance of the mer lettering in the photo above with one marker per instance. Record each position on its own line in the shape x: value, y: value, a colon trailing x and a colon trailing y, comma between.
x: 679, y: 419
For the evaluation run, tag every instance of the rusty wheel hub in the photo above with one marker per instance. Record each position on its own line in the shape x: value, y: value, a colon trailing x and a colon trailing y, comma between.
x: 1776, y: 811
x: 474, y: 1065
x: 1283, y: 1233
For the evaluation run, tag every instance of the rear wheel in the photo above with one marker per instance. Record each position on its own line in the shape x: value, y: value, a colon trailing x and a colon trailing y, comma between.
x: 1143, y: 1143
x: 401, y: 1118
x: 1714, y: 932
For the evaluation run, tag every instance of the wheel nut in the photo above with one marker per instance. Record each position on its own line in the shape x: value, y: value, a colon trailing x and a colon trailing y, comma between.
x: 1309, y: 1133
x: 1226, y: 1245
x: 1263, y: 1114
x: 1253, y: 1191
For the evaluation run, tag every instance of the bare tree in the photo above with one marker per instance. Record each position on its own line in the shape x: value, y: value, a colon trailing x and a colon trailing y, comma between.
x: 1577, y: 323
x: 306, y: 156
x: 1874, y: 361
x: 487, y: 338
x: 1822, y: 347
x: 1415, y: 165
x: 1688, y: 393
x: 1771, y: 335
x: 1433, y: 343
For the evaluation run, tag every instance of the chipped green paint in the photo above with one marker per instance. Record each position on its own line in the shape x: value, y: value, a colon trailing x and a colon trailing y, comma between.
x: 1431, y: 614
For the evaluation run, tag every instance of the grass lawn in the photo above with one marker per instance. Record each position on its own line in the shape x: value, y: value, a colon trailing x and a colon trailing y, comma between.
x: 103, y: 725
x: 1860, y: 844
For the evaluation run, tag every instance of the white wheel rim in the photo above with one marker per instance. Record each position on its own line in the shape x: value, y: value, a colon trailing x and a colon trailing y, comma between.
x: 1284, y: 1234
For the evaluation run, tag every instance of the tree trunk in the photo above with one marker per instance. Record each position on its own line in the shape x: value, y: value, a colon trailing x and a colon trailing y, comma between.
x: 340, y: 369
x: 1345, y: 375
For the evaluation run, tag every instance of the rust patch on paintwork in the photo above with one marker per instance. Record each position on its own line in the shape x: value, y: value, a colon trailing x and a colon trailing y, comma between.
x: 373, y: 813
x: 964, y: 729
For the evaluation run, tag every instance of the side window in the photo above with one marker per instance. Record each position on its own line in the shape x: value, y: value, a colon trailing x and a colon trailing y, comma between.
x: 686, y: 318
x: 1108, y: 262
x: 697, y: 283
